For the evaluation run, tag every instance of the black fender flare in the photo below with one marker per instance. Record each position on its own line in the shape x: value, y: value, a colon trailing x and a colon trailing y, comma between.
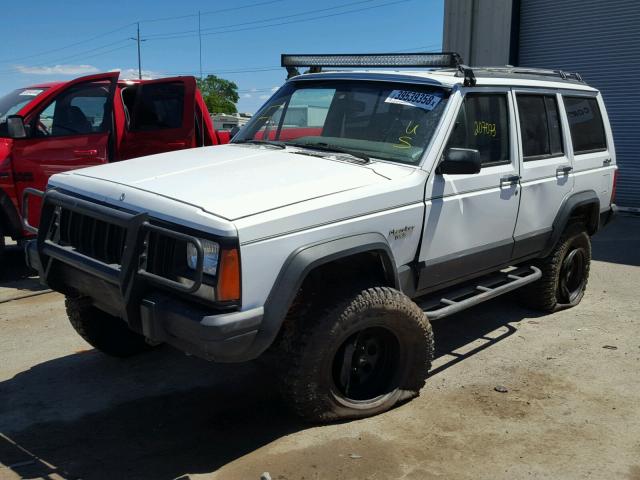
x: 300, y: 263
x: 569, y: 205
x: 9, y: 217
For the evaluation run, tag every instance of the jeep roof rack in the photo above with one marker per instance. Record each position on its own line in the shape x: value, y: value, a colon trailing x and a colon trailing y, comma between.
x: 444, y: 60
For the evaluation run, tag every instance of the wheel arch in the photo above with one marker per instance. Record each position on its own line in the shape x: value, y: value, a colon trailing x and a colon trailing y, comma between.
x: 9, y: 218
x: 307, y: 259
x: 584, y: 205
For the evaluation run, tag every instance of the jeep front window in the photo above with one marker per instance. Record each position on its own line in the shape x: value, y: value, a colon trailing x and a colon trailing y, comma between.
x: 377, y: 119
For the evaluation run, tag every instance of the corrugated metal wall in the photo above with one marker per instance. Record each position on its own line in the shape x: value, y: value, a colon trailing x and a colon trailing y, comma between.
x: 600, y: 40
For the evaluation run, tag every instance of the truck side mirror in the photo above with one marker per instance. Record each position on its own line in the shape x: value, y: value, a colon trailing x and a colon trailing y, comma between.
x: 460, y: 161
x: 15, y: 127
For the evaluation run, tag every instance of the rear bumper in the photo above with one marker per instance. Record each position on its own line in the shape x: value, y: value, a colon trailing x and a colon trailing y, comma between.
x: 159, y: 308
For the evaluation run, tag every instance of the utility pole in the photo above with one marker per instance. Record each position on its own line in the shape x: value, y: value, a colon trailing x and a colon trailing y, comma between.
x: 200, y: 43
x: 139, y: 60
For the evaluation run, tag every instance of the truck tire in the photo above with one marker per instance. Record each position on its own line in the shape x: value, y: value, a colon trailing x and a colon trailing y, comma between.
x: 104, y: 332
x: 565, y: 273
x: 359, y: 358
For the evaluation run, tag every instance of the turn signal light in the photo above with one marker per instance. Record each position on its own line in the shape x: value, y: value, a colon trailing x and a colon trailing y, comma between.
x: 229, y: 276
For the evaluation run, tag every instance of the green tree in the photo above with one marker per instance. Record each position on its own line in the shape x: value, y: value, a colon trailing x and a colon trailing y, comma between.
x: 219, y: 94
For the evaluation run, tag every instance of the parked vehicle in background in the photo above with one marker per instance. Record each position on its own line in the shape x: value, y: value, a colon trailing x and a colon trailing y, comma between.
x: 54, y: 127
x: 352, y: 210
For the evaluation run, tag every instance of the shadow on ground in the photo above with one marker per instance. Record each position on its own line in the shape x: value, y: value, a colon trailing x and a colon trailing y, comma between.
x: 619, y: 242
x: 164, y: 415
x: 14, y: 272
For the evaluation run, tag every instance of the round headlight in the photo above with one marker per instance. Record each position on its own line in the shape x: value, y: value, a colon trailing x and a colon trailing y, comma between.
x: 211, y: 251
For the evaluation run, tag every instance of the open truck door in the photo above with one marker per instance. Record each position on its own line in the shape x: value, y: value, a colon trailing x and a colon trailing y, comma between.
x: 71, y: 129
x: 159, y: 116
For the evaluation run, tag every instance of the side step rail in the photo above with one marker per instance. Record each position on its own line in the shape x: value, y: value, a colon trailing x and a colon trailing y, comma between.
x: 484, y: 293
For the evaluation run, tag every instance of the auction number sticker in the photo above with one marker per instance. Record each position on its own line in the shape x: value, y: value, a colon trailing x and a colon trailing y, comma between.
x: 32, y: 92
x: 426, y: 101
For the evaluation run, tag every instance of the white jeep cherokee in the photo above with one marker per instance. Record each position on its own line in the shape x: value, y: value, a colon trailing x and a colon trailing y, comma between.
x: 355, y: 207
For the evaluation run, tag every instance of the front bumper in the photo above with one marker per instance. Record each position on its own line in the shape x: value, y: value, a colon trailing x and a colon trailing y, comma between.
x: 154, y: 306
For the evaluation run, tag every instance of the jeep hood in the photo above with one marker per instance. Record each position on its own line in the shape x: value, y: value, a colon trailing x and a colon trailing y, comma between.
x: 235, y: 181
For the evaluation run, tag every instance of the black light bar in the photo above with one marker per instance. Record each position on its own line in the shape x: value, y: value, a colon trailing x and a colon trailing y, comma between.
x: 370, y: 60
x: 376, y: 60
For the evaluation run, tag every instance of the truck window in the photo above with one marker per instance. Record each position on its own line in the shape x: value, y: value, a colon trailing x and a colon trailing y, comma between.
x: 585, y: 124
x: 13, y: 102
x: 155, y: 106
x: 79, y: 110
x: 483, y: 125
x: 539, y: 126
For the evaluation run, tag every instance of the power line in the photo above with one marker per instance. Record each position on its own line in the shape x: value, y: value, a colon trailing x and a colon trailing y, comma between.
x: 46, y: 52
x: 279, y: 17
x: 210, y: 12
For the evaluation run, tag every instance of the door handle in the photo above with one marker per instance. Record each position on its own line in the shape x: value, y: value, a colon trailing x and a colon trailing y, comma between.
x: 86, y: 153
x: 606, y: 162
x: 563, y: 170
x: 509, y: 180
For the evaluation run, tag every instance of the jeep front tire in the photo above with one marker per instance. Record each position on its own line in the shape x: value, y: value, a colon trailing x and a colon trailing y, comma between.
x: 359, y: 357
x: 102, y: 331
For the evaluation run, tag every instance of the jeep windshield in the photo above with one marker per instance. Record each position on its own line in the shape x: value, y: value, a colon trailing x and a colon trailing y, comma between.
x: 388, y: 121
x: 13, y: 102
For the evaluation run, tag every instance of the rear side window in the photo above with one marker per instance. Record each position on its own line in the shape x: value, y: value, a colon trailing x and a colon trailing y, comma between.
x: 540, y: 126
x: 155, y: 106
x: 585, y: 123
x: 483, y: 125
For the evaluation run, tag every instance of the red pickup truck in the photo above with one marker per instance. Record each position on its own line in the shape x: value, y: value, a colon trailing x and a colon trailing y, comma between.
x: 54, y: 127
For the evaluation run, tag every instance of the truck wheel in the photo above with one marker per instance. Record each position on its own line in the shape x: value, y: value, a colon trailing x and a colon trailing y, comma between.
x: 104, y: 332
x: 565, y: 273
x: 359, y: 358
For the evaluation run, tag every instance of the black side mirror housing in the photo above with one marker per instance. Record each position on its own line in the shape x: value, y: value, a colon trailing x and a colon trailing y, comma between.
x: 460, y: 161
x: 15, y: 127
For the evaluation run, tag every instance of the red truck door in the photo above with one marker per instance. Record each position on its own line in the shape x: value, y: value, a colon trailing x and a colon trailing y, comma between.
x: 160, y: 116
x: 71, y: 130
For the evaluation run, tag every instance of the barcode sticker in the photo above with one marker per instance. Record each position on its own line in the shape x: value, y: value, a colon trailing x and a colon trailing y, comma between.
x: 426, y: 101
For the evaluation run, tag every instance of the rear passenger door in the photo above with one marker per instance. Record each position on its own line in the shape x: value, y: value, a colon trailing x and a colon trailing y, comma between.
x: 469, y: 220
x: 546, y: 171
x: 160, y: 117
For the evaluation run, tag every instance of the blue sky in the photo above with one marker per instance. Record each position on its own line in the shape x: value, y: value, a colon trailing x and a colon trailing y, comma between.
x: 45, y: 40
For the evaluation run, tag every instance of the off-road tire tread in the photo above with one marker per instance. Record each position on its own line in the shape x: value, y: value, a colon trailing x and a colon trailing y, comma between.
x: 104, y: 332
x: 299, y: 385
x: 542, y: 294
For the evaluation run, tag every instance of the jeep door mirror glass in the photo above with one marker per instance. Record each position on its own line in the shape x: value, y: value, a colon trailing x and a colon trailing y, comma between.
x: 15, y: 127
x: 460, y: 161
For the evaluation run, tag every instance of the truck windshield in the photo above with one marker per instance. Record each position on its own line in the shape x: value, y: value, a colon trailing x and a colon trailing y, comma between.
x: 11, y: 104
x: 389, y: 121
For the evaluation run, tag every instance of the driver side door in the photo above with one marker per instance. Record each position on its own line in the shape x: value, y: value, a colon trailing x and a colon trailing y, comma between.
x: 72, y: 130
x: 470, y: 218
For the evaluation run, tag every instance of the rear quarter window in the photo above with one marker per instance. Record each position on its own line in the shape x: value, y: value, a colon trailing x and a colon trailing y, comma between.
x: 585, y: 124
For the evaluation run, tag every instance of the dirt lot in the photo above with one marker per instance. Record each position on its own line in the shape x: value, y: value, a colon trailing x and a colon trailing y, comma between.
x: 571, y: 410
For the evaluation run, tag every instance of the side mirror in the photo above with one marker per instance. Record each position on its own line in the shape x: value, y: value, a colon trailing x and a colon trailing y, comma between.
x: 234, y: 130
x: 15, y: 127
x: 460, y: 161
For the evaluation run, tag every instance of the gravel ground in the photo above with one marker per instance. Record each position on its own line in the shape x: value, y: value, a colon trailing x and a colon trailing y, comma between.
x: 570, y: 409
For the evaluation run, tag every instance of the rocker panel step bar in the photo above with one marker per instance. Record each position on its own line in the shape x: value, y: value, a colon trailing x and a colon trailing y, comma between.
x: 489, y: 287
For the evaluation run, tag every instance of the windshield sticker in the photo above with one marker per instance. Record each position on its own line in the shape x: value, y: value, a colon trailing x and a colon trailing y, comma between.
x: 32, y: 92
x: 426, y: 101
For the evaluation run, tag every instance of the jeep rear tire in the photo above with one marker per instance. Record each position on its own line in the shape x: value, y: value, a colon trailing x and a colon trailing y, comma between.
x: 104, y: 332
x: 565, y: 273
x: 359, y: 358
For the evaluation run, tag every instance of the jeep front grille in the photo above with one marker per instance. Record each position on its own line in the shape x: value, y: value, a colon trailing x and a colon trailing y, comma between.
x: 92, y: 237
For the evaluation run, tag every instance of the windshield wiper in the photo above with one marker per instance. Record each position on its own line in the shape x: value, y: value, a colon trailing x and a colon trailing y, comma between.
x: 262, y: 142
x: 325, y: 147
